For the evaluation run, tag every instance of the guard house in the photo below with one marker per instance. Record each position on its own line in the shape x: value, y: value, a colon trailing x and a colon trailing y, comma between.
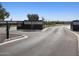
x: 28, y: 25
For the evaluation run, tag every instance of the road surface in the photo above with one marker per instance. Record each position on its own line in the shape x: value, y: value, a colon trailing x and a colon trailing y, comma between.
x: 55, y: 41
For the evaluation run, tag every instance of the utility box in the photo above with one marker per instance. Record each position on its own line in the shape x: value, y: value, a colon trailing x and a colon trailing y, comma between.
x: 75, y: 25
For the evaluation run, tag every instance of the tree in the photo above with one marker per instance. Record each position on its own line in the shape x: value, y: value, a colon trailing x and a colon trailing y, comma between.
x: 3, y: 13
x: 33, y: 17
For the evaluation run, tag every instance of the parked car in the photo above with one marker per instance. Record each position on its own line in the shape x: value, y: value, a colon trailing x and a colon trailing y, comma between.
x: 75, y: 25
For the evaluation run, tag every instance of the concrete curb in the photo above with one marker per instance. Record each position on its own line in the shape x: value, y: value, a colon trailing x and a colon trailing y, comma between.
x: 14, y: 39
x: 77, y: 38
x: 44, y: 29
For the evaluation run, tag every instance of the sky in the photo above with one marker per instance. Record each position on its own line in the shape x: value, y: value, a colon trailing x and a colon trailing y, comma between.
x: 51, y: 11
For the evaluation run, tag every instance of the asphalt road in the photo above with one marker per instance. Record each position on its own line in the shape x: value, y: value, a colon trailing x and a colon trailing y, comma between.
x: 55, y: 41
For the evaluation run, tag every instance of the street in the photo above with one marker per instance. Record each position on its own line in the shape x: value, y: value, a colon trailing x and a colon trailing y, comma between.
x: 55, y: 41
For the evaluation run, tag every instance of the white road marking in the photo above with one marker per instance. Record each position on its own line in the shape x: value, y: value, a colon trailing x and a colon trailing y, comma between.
x: 14, y: 40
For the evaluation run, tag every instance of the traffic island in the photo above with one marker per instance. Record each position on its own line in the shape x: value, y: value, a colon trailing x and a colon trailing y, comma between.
x: 3, y: 37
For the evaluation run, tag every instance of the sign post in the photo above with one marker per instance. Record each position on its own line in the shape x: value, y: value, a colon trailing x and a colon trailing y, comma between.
x: 7, y: 29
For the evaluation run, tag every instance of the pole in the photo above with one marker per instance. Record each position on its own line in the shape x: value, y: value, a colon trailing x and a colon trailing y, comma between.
x: 7, y: 30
